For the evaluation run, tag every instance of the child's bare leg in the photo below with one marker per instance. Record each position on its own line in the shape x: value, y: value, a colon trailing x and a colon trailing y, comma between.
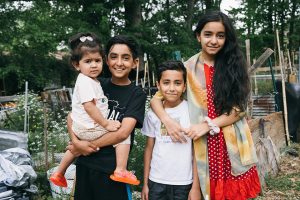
x: 66, y: 161
x: 122, y: 153
x: 58, y: 177
x: 121, y: 174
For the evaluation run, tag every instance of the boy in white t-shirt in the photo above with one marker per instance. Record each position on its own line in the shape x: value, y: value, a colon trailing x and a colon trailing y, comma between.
x: 169, y: 167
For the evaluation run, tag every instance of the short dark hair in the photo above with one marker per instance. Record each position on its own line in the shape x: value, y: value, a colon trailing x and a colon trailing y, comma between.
x: 79, y: 40
x: 171, y: 65
x: 123, y: 39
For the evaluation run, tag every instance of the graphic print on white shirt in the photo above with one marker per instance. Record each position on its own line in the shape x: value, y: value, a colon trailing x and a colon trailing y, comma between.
x: 164, y: 136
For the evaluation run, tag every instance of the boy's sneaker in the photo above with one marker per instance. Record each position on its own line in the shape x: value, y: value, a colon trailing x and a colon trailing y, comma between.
x: 58, y: 179
x: 125, y: 177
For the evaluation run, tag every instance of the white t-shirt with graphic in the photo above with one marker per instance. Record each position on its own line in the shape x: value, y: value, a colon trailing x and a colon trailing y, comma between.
x: 87, y: 89
x: 171, y: 163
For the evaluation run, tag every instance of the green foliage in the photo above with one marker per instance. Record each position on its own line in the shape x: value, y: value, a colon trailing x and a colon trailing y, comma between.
x: 258, y: 20
x: 136, y: 158
x: 32, y: 31
x: 284, y: 183
x: 263, y: 86
x: 38, y: 111
x: 43, y: 184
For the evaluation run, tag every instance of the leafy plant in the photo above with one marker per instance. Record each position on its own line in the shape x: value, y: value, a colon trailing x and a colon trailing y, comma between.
x: 41, y: 119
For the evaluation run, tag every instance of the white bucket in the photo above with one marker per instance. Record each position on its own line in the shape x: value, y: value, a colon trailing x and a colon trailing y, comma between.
x: 61, y: 192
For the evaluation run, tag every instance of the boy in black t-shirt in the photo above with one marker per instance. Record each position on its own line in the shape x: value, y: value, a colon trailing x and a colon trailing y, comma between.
x: 97, y: 159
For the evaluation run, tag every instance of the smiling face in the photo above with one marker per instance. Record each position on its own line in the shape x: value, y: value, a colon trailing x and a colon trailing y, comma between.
x: 212, y: 38
x: 90, y: 64
x: 120, y: 62
x: 171, y: 85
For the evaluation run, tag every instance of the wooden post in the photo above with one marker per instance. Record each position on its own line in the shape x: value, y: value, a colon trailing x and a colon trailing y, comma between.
x: 25, y: 107
x: 148, y: 75
x: 292, y: 75
x: 261, y: 60
x: 153, y: 79
x: 142, y: 83
x: 45, y: 134
x: 248, y: 52
x: 137, y: 75
x: 289, y: 60
x: 255, y: 81
x: 250, y: 102
x: 283, y: 92
x: 145, y: 69
x: 299, y: 65
x: 274, y: 86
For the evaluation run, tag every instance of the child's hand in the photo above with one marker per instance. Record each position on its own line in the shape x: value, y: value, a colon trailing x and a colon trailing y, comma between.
x: 197, y: 130
x: 145, y: 192
x: 81, y: 147
x: 112, y: 125
x: 174, y: 130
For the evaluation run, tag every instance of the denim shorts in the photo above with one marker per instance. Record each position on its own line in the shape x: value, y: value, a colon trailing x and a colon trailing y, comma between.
x: 158, y: 191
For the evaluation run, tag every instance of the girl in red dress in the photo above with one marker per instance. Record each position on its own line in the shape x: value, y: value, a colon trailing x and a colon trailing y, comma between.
x: 217, y: 92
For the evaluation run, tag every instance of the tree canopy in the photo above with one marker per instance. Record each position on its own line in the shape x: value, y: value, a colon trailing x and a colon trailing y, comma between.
x: 34, y: 34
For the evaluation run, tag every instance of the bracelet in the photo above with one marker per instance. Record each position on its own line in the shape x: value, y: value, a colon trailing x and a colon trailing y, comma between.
x: 214, y: 129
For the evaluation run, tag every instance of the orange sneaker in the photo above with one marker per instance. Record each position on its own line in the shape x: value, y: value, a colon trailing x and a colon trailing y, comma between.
x: 125, y: 177
x: 58, y: 179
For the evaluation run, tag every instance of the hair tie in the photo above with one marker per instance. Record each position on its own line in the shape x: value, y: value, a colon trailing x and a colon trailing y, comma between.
x: 214, y: 129
x: 84, y: 38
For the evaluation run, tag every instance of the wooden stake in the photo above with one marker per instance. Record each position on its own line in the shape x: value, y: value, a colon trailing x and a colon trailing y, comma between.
x: 261, y: 60
x: 148, y: 75
x: 26, y: 107
x: 45, y: 134
x: 289, y: 60
x: 145, y: 69
x: 153, y: 79
x: 250, y: 103
x: 137, y: 75
x: 142, y: 83
x: 248, y: 52
x: 283, y: 92
x: 255, y: 81
x: 299, y: 64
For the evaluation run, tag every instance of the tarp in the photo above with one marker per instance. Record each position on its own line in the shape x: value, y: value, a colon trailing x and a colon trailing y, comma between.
x: 11, y: 139
x: 16, y: 168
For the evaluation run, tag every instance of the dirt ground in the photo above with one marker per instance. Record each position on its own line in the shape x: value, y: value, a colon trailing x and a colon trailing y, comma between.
x: 286, y: 185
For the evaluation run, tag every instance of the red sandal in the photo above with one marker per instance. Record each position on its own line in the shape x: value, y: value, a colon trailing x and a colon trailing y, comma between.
x: 58, y: 179
x: 125, y: 177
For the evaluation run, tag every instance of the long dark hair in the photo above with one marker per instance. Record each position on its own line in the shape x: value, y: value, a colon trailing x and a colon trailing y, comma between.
x: 231, y: 81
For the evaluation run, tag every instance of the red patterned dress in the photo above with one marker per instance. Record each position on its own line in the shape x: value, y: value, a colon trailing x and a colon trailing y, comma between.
x: 223, y: 185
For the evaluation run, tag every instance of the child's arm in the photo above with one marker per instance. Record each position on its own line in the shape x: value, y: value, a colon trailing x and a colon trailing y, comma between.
x: 198, y: 130
x: 92, y: 110
x: 173, y: 128
x: 147, y: 160
x: 225, y: 119
x: 195, y: 192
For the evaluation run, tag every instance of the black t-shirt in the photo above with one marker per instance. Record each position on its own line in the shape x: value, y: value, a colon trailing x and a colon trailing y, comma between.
x: 123, y: 101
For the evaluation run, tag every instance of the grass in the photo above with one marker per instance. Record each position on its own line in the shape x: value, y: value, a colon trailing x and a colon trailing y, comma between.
x: 286, y: 185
